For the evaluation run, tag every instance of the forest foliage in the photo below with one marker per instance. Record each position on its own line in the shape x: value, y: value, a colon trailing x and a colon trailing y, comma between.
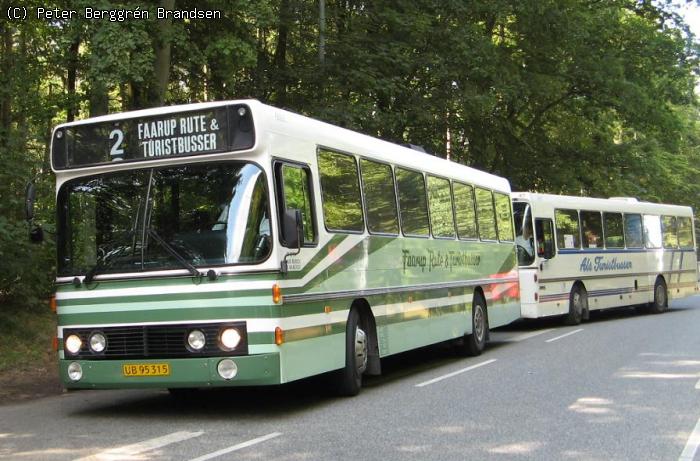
x: 565, y: 96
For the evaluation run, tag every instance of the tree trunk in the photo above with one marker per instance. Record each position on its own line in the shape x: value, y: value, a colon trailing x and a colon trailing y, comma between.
x: 6, y: 93
x: 99, y: 99
x: 162, y: 52
x: 72, y: 78
x: 280, y: 59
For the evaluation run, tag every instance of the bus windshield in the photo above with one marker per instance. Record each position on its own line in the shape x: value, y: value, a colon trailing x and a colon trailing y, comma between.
x: 146, y: 219
x: 523, y: 233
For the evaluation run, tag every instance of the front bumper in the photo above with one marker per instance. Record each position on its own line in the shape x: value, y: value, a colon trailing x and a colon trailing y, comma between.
x: 260, y: 369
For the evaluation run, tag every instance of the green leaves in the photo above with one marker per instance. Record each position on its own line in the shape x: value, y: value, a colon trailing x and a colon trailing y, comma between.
x: 562, y: 96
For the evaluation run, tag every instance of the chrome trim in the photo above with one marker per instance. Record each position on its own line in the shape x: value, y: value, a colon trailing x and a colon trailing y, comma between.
x: 298, y: 298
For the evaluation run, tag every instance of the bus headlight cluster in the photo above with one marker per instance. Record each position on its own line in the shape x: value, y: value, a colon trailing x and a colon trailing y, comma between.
x: 196, y: 340
x: 229, y: 339
x: 73, y: 344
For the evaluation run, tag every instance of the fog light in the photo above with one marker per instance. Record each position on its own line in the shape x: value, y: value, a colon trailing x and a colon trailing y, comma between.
x: 227, y: 369
x: 230, y: 338
x: 75, y: 371
x: 73, y: 344
x: 196, y: 340
x: 98, y: 342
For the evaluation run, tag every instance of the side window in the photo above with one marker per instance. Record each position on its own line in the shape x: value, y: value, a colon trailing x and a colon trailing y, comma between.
x: 685, y: 232
x: 412, y: 203
x: 504, y: 217
x: 633, y: 231
x: 612, y: 225
x: 544, y: 235
x: 464, y: 211
x: 592, y: 229
x: 296, y: 194
x: 652, y: 231
x: 380, y: 197
x: 440, y: 203
x: 568, y: 235
x: 669, y: 231
x: 485, y: 214
x: 340, y: 191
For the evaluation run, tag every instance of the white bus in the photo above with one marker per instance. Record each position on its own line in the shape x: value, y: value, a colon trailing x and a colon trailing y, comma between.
x: 234, y: 243
x: 578, y: 254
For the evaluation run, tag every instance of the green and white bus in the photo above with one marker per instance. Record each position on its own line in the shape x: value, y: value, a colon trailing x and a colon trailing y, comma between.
x: 579, y: 254
x: 234, y: 243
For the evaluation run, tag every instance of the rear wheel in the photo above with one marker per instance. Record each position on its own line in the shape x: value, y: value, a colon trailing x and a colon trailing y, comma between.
x: 473, y: 344
x: 349, y: 378
x: 660, y: 303
x: 578, y: 305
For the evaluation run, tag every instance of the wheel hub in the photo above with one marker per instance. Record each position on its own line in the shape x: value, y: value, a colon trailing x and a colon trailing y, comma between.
x: 479, y: 323
x: 360, y: 350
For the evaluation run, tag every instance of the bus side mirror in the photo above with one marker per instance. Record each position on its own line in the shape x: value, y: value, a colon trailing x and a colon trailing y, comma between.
x: 292, y: 228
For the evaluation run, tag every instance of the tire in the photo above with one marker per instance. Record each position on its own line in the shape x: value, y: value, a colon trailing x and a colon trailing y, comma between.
x: 660, y: 303
x: 578, y: 305
x: 474, y: 343
x: 349, y: 378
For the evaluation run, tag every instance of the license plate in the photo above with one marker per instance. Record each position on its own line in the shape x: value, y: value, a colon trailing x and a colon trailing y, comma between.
x: 146, y: 369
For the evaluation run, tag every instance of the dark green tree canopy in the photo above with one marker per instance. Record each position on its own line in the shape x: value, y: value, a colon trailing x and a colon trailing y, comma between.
x: 568, y: 96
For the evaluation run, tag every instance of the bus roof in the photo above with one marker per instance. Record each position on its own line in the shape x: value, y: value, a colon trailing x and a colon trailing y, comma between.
x: 324, y: 134
x: 618, y: 204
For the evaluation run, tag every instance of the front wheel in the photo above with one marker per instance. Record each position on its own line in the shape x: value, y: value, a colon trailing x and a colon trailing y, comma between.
x: 349, y: 378
x: 660, y: 303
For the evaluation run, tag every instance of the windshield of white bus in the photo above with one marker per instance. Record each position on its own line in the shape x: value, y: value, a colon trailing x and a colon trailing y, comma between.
x: 524, y: 240
x: 207, y: 214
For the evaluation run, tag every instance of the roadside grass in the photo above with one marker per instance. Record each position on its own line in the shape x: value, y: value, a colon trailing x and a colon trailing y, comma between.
x: 26, y: 338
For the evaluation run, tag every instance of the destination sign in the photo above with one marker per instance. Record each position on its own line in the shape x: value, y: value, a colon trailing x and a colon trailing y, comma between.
x: 199, y: 132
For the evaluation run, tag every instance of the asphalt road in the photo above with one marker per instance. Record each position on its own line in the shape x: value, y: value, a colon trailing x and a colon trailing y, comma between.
x: 622, y: 386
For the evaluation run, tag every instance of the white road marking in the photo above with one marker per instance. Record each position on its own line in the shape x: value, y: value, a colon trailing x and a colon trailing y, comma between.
x: 524, y: 336
x: 242, y: 445
x: 454, y: 373
x: 691, y: 446
x: 130, y: 451
x: 564, y: 335
x: 697, y: 385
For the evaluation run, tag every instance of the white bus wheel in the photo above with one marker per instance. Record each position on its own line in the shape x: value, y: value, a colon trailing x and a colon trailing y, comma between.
x: 660, y: 303
x: 578, y: 303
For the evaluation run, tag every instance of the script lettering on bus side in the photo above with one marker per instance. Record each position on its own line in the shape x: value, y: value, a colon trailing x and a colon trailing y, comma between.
x: 600, y: 264
x: 439, y: 260
x: 178, y: 135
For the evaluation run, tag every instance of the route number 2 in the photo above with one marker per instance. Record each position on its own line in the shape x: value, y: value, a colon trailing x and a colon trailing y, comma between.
x: 117, y: 152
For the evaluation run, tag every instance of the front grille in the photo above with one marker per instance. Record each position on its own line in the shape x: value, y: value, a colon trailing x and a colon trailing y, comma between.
x: 156, y: 341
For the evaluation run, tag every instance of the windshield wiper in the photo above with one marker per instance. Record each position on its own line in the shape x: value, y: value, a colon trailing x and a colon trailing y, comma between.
x: 174, y: 253
x: 102, y: 264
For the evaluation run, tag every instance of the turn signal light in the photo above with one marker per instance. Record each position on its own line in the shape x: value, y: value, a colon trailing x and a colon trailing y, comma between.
x: 52, y: 303
x: 276, y: 294
x: 279, y: 336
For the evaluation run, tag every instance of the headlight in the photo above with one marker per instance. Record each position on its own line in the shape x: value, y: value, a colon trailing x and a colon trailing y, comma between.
x: 196, y: 340
x: 227, y: 369
x: 75, y: 371
x: 98, y: 342
x: 229, y: 338
x: 73, y: 344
